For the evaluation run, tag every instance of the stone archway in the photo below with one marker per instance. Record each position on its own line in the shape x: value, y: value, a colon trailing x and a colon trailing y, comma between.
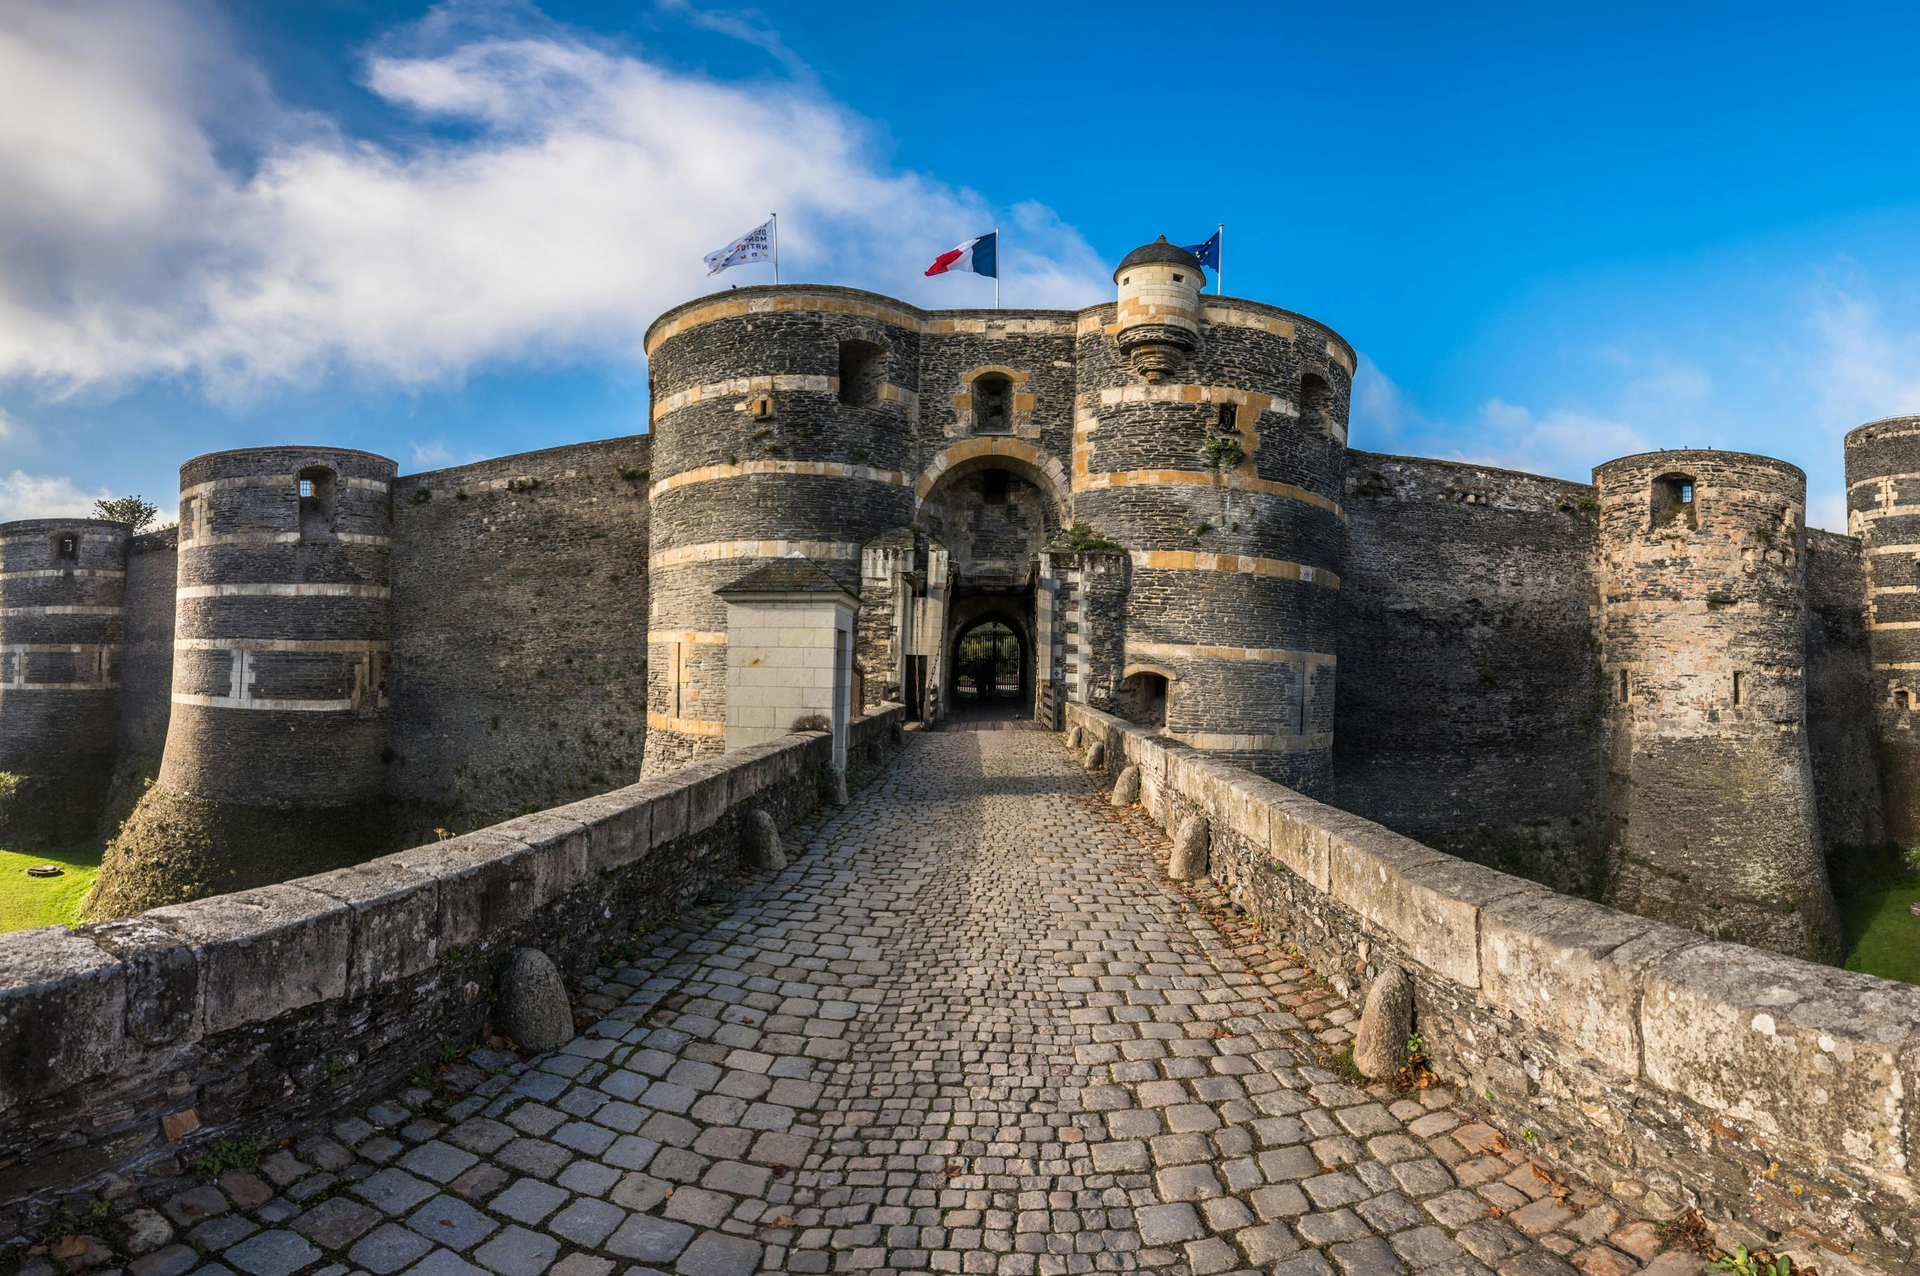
x: 977, y: 612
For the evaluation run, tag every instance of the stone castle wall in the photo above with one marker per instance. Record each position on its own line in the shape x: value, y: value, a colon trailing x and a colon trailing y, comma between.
x: 519, y: 657
x: 1883, y: 510
x: 1471, y: 708
x: 1841, y: 734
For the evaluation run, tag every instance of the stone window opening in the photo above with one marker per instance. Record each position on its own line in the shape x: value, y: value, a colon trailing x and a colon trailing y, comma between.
x: 316, y: 488
x: 1227, y: 418
x: 1673, y: 503
x: 863, y: 370
x: 1316, y: 404
x: 1143, y: 698
x: 1626, y: 686
x: 1739, y: 688
x: 992, y: 404
x: 1902, y: 699
x: 66, y: 548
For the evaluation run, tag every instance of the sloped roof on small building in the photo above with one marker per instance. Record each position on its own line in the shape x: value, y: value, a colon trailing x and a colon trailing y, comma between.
x: 794, y: 574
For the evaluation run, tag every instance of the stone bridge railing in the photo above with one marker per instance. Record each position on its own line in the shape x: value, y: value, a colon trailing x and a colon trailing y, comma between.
x: 1646, y: 1058
x: 131, y: 1041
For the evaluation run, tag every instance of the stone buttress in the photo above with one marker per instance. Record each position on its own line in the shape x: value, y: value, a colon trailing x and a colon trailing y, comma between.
x: 1711, y: 811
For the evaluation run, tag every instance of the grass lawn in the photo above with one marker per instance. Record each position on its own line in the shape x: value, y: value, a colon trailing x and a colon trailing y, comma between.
x: 1883, y: 938
x: 48, y: 901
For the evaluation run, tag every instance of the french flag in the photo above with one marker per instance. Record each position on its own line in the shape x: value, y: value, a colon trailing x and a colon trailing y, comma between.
x: 981, y: 256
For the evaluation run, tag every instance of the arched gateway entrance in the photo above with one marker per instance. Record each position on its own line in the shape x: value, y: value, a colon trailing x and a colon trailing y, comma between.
x: 994, y: 514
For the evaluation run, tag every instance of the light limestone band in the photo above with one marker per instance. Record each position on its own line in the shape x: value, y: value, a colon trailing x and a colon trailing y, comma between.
x: 724, y: 551
x: 274, y: 480
x: 1218, y: 741
x: 687, y: 726
x: 803, y: 469
x: 72, y: 573
x: 100, y: 651
x: 41, y: 538
x: 1246, y: 564
x: 325, y: 645
x: 249, y: 702
x: 1060, y: 325
x: 275, y: 589
x: 60, y: 611
x: 692, y: 637
x: 278, y: 538
x: 1202, y: 651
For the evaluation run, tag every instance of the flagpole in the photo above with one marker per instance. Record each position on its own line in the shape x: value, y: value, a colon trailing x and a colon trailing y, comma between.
x: 775, y: 219
x: 996, y: 268
x: 1220, y: 271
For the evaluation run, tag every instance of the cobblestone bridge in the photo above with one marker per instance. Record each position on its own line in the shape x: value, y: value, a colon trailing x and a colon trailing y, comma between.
x: 971, y: 1029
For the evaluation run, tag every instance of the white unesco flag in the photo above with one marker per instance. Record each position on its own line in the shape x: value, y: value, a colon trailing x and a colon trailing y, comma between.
x: 755, y: 245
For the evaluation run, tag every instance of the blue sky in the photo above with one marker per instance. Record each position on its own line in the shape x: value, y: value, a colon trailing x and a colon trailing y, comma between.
x: 438, y: 232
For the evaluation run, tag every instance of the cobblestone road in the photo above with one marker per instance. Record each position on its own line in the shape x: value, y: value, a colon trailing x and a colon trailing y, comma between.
x: 969, y: 1030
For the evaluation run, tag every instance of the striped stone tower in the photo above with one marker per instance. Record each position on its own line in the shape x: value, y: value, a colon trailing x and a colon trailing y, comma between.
x: 782, y: 423
x: 1883, y: 510
x: 1210, y: 441
x: 279, y: 677
x: 61, y: 629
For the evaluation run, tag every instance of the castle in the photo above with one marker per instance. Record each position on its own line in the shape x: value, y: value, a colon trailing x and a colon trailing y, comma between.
x: 1661, y: 688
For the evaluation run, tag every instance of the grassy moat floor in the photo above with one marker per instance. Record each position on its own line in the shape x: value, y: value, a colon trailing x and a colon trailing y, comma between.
x: 1883, y: 936
x: 26, y: 902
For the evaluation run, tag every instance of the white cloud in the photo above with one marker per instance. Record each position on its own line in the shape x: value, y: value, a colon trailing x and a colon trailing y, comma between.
x: 1865, y: 368
x: 431, y: 455
x: 1560, y: 442
x: 10, y: 429
x: 24, y: 495
x: 565, y: 200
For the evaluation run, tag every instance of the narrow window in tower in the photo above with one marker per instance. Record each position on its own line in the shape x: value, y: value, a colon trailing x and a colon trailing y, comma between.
x: 1626, y: 687
x: 1739, y: 688
x: 863, y: 370
x: 992, y: 404
x: 66, y: 548
x: 1179, y: 279
x: 1228, y: 417
x: 1316, y: 405
x: 1672, y: 502
x: 316, y: 487
x: 1902, y: 699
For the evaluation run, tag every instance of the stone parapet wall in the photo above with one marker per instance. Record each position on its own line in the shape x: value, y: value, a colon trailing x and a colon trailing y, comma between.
x: 1651, y: 1060
x: 148, y: 1038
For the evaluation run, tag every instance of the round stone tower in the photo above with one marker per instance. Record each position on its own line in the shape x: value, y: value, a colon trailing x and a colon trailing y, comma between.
x: 1703, y: 614
x: 61, y: 588
x: 782, y: 423
x: 1883, y: 510
x: 274, y: 748
x: 1210, y: 442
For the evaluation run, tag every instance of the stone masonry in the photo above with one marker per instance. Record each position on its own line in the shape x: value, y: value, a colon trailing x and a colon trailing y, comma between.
x: 967, y: 1031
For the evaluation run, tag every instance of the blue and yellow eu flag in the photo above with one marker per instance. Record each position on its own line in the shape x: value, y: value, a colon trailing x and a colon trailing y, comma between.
x: 1208, y: 253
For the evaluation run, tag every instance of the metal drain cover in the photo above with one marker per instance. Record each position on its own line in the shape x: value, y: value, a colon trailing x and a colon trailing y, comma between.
x: 45, y: 870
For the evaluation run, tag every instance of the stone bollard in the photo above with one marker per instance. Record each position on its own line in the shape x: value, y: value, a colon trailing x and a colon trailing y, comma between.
x: 837, y: 787
x: 1380, y: 1047
x: 760, y: 839
x: 1191, y: 843
x: 1126, y: 789
x: 534, y: 1010
x: 1096, y: 756
x: 1074, y: 737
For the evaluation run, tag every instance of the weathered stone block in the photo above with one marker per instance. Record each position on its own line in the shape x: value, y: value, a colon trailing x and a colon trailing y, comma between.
x: 1380, y: 1045
x: 1792, y: 1052
x: 163, y: 979
x: 669, y: 812
x: 1126, y: 787
x: 619, y: 825
x: 1372, y: 874
x: 62, y: 1007
x: 1096, y: 756
x: 559, y: 848
x: 487, y: 881
x: 1573, y: 969
x: 262, y: 952
x: 396, y: 915
x: 706, y: 785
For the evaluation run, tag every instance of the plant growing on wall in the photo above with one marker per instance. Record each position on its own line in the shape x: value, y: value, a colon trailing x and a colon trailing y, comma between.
x: 1225, y: 452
